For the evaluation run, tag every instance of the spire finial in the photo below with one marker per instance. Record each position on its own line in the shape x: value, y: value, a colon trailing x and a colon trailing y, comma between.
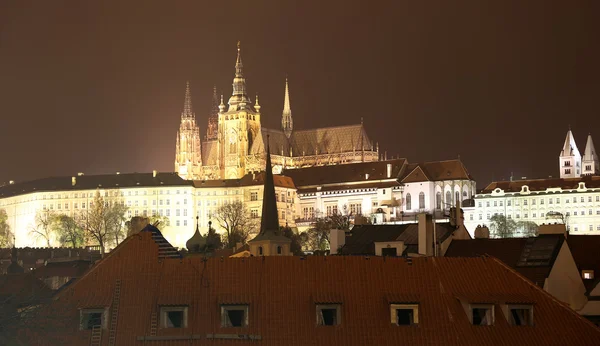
x: 287, y: 122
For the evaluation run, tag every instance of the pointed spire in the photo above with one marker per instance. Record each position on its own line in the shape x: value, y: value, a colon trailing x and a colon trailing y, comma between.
x: 215, y: 102
x: 287, y: 123
x: 569, y: 148
x: 197, y: 242
x: 238, y: 62
x: 590, y: 151
x: 256, y: 105
x: 187, y: 104
x: 270, y: 220
x: 239, y: 95
x: 221, y: 105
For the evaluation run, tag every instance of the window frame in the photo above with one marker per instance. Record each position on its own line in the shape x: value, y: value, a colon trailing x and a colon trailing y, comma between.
x: 510, y: 318
x: 490, y: 307
x: 394, y: 307
x: 226, y: 322
x: 319, y: 315
x: 103, y: 317
x: 164, y: 310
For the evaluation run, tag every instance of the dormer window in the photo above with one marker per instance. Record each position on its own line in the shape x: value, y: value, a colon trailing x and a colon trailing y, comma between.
x: 260, y: 250
x: 520, y: 315
x: 329, y: 314
x: 404, y: 314
x: 173, y: 316
x: 482, y: 314
x: 234, y: 315
x: 587, y: 274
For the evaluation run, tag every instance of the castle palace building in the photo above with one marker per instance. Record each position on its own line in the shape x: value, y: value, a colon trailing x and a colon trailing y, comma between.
x: 235, y: 140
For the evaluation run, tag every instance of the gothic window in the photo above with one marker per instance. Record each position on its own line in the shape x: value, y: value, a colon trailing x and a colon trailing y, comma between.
x: 232, y: 143
x: 457, y: 197
x: 438, y: 201
x: 421, y: 200
x: 250, y: 140
x: 408, y: 202
x: 449, y: 198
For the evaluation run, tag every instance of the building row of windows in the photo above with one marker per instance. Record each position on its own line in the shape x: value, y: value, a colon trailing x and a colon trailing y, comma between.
x: 237, y: 316
x: 533, y: 201
x: 590, y: 212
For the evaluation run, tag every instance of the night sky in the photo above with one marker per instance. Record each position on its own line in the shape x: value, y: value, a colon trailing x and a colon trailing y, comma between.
x: 98, y: 87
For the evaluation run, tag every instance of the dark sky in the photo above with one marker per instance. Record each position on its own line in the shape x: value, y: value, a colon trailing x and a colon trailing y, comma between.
x: 98, y: 87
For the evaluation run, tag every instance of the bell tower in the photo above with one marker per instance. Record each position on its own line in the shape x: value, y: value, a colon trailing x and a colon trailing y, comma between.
x: 239, y: 126
x: 188, y: 160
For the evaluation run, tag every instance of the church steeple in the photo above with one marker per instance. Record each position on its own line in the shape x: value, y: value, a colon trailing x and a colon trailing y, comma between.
x: 239, y: 95
x: 287, y: 123
x: 590, y: 158
x: 570, y: 158
x: 269, y: 240
x: 187, y: 103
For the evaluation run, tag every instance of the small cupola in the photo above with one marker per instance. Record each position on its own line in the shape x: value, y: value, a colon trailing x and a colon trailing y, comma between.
x: 197, y: 242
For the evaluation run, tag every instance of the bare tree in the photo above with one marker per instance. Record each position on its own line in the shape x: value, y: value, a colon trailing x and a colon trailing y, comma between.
x: 104, y: 221
x: 234, y: 218
x: 43, y: 226
x: 6, y: 236
x: 69, y: 231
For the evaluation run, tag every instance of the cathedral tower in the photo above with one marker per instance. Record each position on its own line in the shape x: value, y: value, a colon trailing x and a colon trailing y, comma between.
x: 239, y: 127
x: 188, y: 160
x: 570, y: 158
x: 287, y: 123
x: 590, y: 158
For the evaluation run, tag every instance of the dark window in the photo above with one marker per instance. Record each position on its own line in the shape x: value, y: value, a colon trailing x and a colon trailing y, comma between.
x: 408, y: 202
x: 91, y: 319
x: 236, y: 317
x: 389, y: 251
x: 404, y: 317
x: 328, y: 315
x: 175, y: 319
x: 279, y: 250
x: 260, y: 250
x: 482, y: 316
x: 520, y: 317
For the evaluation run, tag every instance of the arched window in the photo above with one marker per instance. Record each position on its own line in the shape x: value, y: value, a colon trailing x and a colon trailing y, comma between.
x: 448, y: 200
x: 260, y: 251
x: 438, y: 200
x: 232, y: 143
x: 250, y: 140
x: 408, y: 202
x: 421, y: 200
x: 279, y: 250
x: 464, y: 194
x: 457, y: 197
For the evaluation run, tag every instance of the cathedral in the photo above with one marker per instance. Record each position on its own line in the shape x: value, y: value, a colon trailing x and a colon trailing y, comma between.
x: 235, y: 140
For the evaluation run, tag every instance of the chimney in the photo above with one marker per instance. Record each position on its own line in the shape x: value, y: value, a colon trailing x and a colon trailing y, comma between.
x: 73, y: 181
x: 337, y: 239
x: 482, y: 232
x: 389, y: 170
x: 366, y: 176
x: 154, y: 174
x: 12, y: 182
x: 79, y: 174
x: 556, y: 228
x: 426, y: 240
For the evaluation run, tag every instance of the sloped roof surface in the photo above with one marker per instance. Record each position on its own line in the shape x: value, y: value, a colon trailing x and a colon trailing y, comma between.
x: 246, y: 180
x: 72, y: 269
x: 282, y: 291
x: 363, y: 237
x: 436, y: 171
x: 349, y: 172
x: 92, y: 182
x: 584, y: 249
x: 511, y: 251
x: 543, y: 184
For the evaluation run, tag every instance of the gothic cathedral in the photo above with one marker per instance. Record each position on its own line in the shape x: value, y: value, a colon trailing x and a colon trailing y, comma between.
x: 235, y: 141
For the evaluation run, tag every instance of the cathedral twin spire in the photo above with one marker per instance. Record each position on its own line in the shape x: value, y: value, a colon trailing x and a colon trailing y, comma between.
x: 287, y: 123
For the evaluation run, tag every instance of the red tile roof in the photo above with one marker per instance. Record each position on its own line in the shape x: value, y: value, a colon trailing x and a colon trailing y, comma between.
x: 543, y: 184
x: 247, y: 180
x: 282, y: 293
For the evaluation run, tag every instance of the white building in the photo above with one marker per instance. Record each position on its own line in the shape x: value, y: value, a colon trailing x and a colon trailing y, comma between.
x: 145, y: 194
x: 573, y: 199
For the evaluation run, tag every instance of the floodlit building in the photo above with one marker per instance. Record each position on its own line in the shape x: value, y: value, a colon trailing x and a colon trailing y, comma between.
x: 572, y: 199
x: 235, y: 139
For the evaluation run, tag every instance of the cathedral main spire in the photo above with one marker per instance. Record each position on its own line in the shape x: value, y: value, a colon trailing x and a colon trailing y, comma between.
x: 239, y: 95
x: 287, y: 123
x: 187, y: 104
x: 213, y: 117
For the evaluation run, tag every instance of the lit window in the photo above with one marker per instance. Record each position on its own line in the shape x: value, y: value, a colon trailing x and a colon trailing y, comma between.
x: 480, y: 216
x: 520, y: 315
x: 487, y: 204
x: 482, y: 315
x: 582, y: 199
x: 173, y: 316
x: 254, y: 196
x: 90, y: 318
x: 177, y: 223
x: 508, y: 203
x: 328, y: 315
x: 234, y: 315
x: 587, y: 274
x: 404, y: 314
x: 185, y: 222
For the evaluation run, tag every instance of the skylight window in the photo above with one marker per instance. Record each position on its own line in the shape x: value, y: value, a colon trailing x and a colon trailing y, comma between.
x: 173, y: 316
x: 234, y: 315
x: 520, y: 315
x: 328, y: 314
x: 90, y: 318
x: 404, y: 314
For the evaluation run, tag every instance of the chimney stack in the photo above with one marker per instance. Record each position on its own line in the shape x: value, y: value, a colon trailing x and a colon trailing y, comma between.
x: 389, y: 170
x: 426, y: 241
x: 154, y: 173
x: 482, y: 232
x: 337, y: 239
x: 73, y: 181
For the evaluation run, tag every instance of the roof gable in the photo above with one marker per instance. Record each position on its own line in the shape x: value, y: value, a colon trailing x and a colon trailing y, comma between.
x: 416, y: 175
